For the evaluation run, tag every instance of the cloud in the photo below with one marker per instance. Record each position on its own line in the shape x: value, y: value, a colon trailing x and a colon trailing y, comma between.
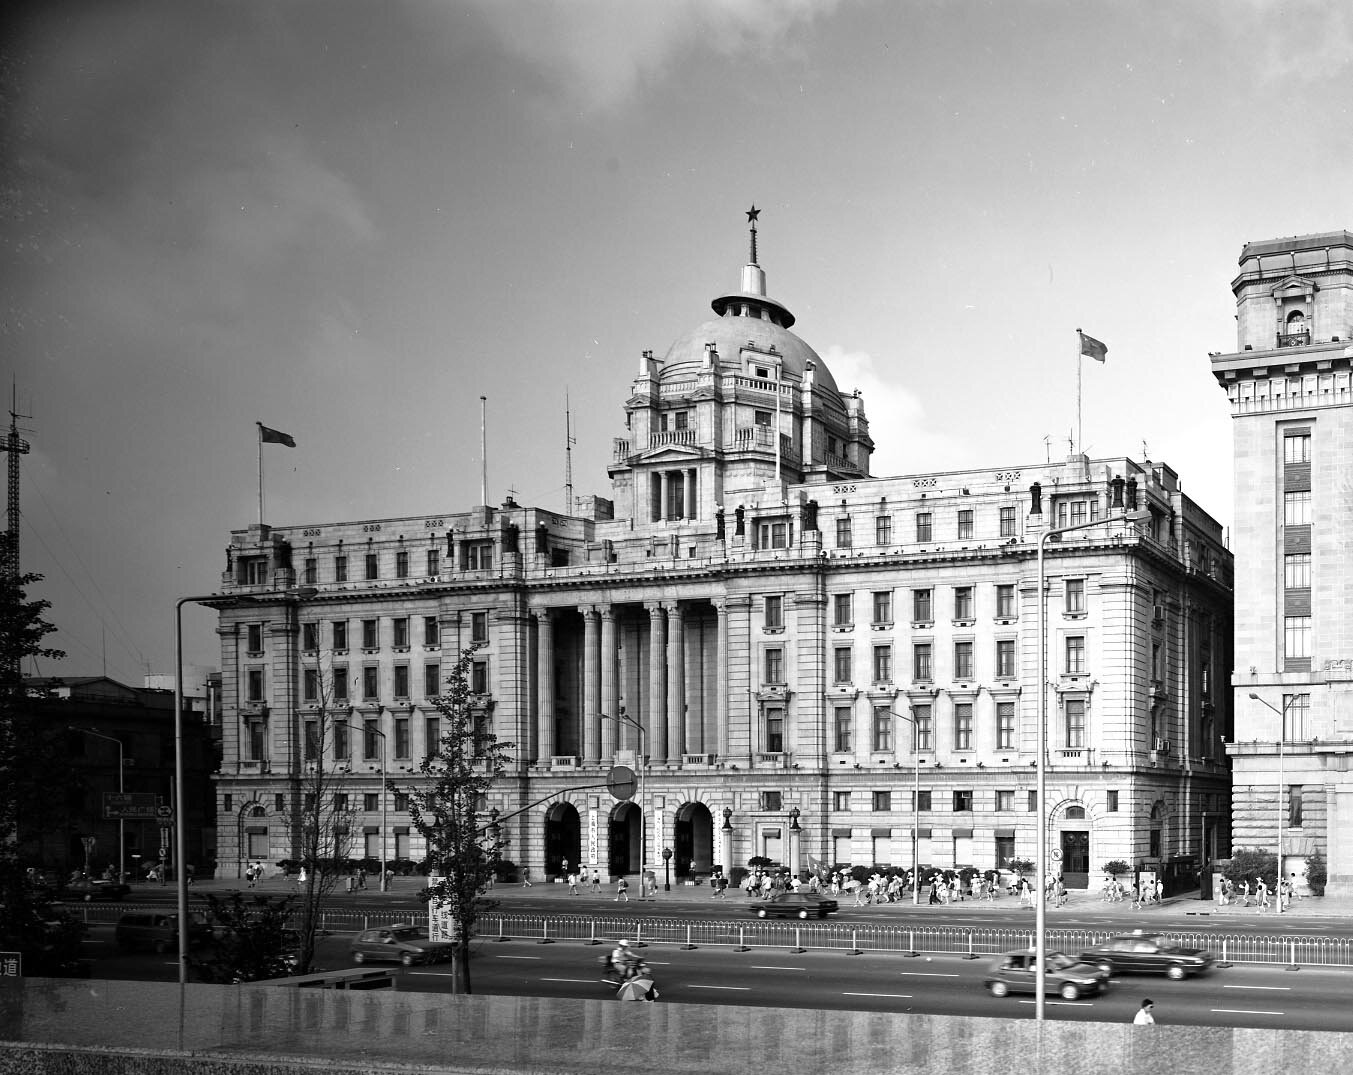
x: 1290, y: 40
x: 600, y: 52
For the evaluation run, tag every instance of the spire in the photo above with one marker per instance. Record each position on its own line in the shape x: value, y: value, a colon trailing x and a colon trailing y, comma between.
x: 753, y: 285
x: 752, y: 214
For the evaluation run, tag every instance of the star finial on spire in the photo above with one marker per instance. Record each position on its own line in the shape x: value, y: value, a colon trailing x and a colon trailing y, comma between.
x: 752, y: 214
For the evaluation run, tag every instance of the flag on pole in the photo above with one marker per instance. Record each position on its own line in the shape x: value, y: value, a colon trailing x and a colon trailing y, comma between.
x: 273, y: 436
x: 1091, y: 347
x: 818, y: 867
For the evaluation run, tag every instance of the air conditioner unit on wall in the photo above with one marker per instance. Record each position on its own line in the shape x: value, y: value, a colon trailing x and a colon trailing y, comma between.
x: 1161, y: 746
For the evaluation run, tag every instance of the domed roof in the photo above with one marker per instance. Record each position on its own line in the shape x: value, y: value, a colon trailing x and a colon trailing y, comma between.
x: 729, y: 335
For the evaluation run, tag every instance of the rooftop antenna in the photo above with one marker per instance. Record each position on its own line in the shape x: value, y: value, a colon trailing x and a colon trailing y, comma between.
x: 1047, y: 447
x: 569, y: 441
x: 483, y: 452
x: 9, y: 563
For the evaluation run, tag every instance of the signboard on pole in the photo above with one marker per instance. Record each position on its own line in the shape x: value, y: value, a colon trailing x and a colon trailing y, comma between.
x: 129, y: 806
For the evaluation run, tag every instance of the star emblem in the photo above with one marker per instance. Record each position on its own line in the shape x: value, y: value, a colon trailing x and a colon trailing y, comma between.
x: 752, y: 214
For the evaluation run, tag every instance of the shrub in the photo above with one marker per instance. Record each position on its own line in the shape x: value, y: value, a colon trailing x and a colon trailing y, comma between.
x: 1316, y: 873
x: 1116, y: 866
x: 1250, y: 862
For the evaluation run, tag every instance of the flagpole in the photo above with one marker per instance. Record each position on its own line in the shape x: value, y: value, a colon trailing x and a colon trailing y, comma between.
x: 259, y: 429
x: 1080, y: 361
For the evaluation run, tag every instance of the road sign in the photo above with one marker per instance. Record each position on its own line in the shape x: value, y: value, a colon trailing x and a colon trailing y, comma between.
x: 128, y: 806
x: 165, y: 812
x: 620, y: 782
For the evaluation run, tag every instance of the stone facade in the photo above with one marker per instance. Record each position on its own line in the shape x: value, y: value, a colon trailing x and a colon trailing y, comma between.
x: 784, y: 644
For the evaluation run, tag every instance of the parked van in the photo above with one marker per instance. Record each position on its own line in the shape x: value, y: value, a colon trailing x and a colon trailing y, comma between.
x: 158, y: 931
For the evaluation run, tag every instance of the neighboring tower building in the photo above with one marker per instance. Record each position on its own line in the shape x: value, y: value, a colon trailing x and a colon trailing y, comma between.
x: 1292, y: 402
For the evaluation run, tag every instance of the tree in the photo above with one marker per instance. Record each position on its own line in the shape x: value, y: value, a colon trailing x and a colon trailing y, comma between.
x: 1316, y: 872
x: 1116, y: 866
x: 252, y: 939
x: 1249, y: 863
x: 448, y: 809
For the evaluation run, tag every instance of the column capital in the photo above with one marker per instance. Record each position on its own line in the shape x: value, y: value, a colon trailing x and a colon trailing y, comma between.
x: 607, y: 612
x: 656, y: 609
x: 589, y: 612
x: 543, y: 613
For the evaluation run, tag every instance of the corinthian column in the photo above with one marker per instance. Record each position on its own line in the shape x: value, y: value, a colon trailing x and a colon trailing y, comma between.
x: 676, y: 682
x: 657, y: 660
x: 544, y: 685
x: 610, y: 725
x: 591, y: 688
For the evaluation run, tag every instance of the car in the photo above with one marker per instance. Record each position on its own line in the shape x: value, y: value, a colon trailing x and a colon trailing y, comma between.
x: 1016, y: 972
x: 1146, y: 953
x: 159, y: 931
x: 401, y: 943
x: 794, y: 905
x: 87, y: 891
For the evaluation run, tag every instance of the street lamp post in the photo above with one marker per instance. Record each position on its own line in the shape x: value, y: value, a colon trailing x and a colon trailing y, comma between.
x: 1282, y: 736
x: 642, y: 763
x: 794, y: 836
x: 121, y: 823
x: 667, y: 869
x: 915, y: 806
x: 385, y: 884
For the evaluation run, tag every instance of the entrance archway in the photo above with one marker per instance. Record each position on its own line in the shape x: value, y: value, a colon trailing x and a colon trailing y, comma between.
x: 623, y: 850
x: 692, y: 841
x: 563, y: 838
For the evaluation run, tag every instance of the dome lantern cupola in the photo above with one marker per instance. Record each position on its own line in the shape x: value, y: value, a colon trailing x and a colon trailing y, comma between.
x: 752, y: 300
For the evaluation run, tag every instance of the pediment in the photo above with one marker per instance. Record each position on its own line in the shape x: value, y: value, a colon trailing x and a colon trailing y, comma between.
x: 669, y: 453
x: 1292, y: 287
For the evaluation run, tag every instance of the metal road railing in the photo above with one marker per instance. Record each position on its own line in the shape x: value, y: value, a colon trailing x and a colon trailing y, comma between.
x: 1293, y: 950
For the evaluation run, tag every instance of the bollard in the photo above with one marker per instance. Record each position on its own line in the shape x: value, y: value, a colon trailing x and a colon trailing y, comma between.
x: 639, y: 941
x: 501, y: 935
x: 545, y: 932
x: 593, y: 938
x: 798, y: 949
x: 911, y: 941
x: 855, y: 949
x: 1293, y: 952
x: 687, y: 946
x: 1223, y: 961
x: 971, y: 954
x: 742, y: 944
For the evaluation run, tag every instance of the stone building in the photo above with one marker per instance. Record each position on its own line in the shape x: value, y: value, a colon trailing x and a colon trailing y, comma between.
x: 1288, y: 383
x: 791, y: 645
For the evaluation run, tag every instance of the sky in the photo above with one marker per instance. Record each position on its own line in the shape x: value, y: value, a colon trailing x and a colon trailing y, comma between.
x: 349, y: 220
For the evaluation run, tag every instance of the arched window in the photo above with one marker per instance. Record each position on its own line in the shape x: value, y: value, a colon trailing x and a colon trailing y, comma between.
x: 1075, y: 813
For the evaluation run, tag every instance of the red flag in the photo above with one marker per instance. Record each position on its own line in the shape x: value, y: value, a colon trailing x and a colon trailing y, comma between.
x: 1091, y: 347
x: 272, y: 436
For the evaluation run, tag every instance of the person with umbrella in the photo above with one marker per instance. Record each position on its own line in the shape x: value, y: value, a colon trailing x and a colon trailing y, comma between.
x: 639, y: 986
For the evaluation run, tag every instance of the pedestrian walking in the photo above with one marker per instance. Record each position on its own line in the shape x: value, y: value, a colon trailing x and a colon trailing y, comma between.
x: 1245, y: 893
x: 622, y: 890
x: 361, y: 880
x: 1261, y: 893
x: 1160, y: 891
x: 572, y: 884
x: 526, y: 877
x: 596, y: 881
x: 1144, y: 1016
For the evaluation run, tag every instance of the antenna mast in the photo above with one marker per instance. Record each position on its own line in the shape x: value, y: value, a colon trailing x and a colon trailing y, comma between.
x: 9, y: 559
x: 569, y: 441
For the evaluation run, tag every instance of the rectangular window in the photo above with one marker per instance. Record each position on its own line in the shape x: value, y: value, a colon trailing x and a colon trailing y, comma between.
x: 340, y: 636
x: 923, y: 800
x: 1297, y: 448
x: 775, y: 731
x: 775, y: 665
x: 479, y: 626
x: 370, y: 740
x: 1111, y: 802
x: 1298, y: 709
x: 227, y: 803
x: 432, y: 633
x: 1005, y: 851
x: 402, y: 564
x: 400, y: 626
x: 921, y: 662
x: 1297, y: 636
x: 1294, y: 820
x: 772, y: 800
x: 340, y: 684
x: 310, y: 637
x: 434, y: 562
x: 882, y: 801
x: 1075, y: 655
x: 342, y: 749
x: 883, y: 530
x: 340, y: 801
x: 311, y: 740
x: 963, y: 602
x: 1008, y: 522
x: 842, y: 721
x: 432, y: 680
x: 925, y: 728
x: 843, y: 609
x: 432, y: 734
x: 373, y: 570
x: 340, y: 569
x: 963, y: 802
x: 1005, y: 602
x: 1078, y: 513
x: 924, y: 521
x: 842, y: 671
x: 371, y: 683
x: 253, y: 634
x: 883, y: 664
x: 1005, y: 802
x: 883, y: 606
x: 1005, y: 658
x: 310, y: 685
x: 371, y: 636
x: 1075, y: 596
x: 401, y: 681
x: 254, y: 685
x: 1033, y: 802
x: 1297, y: 571
x: 840, y: 800
x: 883, y: 729
x: 963, y: 660
x: 774, y: 608
x: 479, y: 677
x: 401, y: 804
x: 922, y: 606
x: 1075, y: 723
x: 479, y: 556
x: 772, y: 535
x: 370, y: 802
x: 843, y: 532
x: 963, y: 726
x: 965, y: 523
x: 311, y: 571
x: 1297, y: 508
x: 1005, y: 725
x: 401, y: 737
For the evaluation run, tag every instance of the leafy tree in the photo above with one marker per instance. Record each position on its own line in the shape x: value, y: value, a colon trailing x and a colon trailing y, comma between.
x: 448, y: 806
x: 1316, y: 872
x: 1116, y: 866
x: 252, y: 939
x: 1248, y: 863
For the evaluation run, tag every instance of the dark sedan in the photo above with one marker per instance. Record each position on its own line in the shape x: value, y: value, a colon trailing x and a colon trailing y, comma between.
x: 401, y: 943
x: 1145, y: 953
x: 794, y: 905
x: 86, y: 891
x: 1016, y: 972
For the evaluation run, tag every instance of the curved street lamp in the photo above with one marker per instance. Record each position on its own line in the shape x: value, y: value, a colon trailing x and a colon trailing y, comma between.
x: 1282, y: 736
x: 640, y: 766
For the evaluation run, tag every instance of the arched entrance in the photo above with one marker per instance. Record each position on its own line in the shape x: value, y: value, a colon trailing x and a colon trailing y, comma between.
x: 1074, y: 852
x: 623, y: 851
x: 692, y: 841
x: 563, y: 838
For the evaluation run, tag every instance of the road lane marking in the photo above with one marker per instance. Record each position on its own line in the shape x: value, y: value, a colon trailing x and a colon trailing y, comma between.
x: 1242, y: 1011
x: 890, y: 996
x: 580, y: 981
x: 926, y: 974
x: 768, y: 966
x: 1282, y: 988
x: 1063, y: 1003
x: 518, y: 957
x: 740, y: 988
x: 428, y: 973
